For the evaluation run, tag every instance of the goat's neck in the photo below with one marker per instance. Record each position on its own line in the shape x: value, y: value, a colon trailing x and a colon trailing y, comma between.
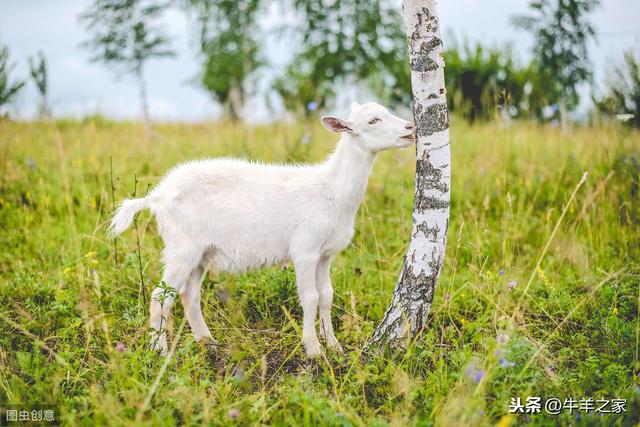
x: 348, y: 169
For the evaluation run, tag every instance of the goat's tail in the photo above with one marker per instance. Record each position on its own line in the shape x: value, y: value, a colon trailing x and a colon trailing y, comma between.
x: 123, y: 216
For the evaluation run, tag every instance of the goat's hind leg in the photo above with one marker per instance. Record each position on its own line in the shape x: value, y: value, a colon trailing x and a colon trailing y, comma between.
x: 191, y: 297
x: 176, y: 274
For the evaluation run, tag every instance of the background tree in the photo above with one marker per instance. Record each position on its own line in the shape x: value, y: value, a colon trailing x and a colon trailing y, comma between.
x: 230, y: 49
x: 480, y: 80
x: 342, y: 41
x: 38, y: 71
x: 125, y: 34
x: 8, y: 88
x: 407, y: 314
x: 622, y: 90
x: 482, y: 83
x: 561, y: 31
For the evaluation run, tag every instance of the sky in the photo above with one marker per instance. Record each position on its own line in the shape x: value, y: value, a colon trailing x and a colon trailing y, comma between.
x: 79, y: 88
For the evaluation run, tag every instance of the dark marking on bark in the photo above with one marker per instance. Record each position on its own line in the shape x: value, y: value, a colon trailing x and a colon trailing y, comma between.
x: 424, y: 203
x: 429, y: 178
x: 420, y: 57
x: 432, y: 96
x: 430, y: 21
x: 429, y: 232
x: 422, y: 61
x: 435, y: 118
x: 418, y: 288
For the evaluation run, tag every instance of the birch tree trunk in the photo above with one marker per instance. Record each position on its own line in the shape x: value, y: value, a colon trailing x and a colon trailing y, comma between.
x: 413, y: 294
x: 144, y: 105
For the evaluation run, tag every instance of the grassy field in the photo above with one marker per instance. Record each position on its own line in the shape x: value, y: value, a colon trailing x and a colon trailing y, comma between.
x: 533, y: 300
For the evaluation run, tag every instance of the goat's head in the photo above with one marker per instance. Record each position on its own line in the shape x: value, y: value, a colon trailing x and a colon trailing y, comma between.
x: 373, y: 127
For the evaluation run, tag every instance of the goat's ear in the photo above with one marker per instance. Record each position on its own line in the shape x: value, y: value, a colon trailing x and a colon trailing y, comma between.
x: 354, y: 105
x: 335, y: 124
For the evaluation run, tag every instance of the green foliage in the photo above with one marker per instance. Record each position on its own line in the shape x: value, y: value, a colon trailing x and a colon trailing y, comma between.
x: 343, y: 41
x: 8, y: 88
x: 365, y: 43
x: 479, y: 80
x: 561, y: 30
x: 229, y: 45
x: 125, y: 33
x: 622, y: 92
x: 481, y: 83
x: 73, y: 325
x: 38, y: 71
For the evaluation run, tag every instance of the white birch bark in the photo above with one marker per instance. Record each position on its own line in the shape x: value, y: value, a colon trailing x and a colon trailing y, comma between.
x: 413, y: 294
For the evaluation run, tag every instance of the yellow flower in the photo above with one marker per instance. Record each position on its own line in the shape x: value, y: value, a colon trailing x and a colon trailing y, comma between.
x: 543, y: 276
x: 505, y: 421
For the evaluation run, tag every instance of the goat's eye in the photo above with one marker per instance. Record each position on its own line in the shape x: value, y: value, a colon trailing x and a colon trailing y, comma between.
x: 374, y: 121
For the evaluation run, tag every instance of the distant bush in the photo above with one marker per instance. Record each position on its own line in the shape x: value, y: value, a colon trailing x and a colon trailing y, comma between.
x: 622, y: 93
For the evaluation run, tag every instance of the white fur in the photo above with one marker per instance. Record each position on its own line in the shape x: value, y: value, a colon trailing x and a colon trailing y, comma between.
x: 240, y: 215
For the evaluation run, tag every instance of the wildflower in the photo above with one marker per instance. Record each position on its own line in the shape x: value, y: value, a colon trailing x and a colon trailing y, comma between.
x: 543, y: 276
x: 501, y: 272
x: 512, y: 284
x: 224, y: 295
x: 285, y: 266
x: 120, y: 347
x: 31, y: 163
x: 233, y: 413
x: 447, y: 297
x: 305, y: 139
x: 239, y: 373
x: 475, y: 374
x: 312, y: 106
x: 503, y: 338
x: 506, y: 364
x: 469, y: 372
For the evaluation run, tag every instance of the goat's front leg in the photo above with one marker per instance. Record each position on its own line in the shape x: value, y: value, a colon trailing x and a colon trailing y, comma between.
x: 306, y: 282
x: 325, y: 292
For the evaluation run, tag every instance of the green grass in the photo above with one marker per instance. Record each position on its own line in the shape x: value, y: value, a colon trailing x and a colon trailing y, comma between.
x: 69, y: 295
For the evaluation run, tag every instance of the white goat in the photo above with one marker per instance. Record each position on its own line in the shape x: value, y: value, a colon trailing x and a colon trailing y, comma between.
x: 239, y: 215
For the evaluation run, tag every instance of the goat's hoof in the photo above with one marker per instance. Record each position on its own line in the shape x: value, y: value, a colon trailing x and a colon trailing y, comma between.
x: 313, y: 349
x: 210, y: 344
x: 335, y: 347
x: 160, y: 345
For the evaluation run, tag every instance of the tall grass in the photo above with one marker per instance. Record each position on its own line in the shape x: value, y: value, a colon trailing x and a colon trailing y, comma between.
x: 539, y: 295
